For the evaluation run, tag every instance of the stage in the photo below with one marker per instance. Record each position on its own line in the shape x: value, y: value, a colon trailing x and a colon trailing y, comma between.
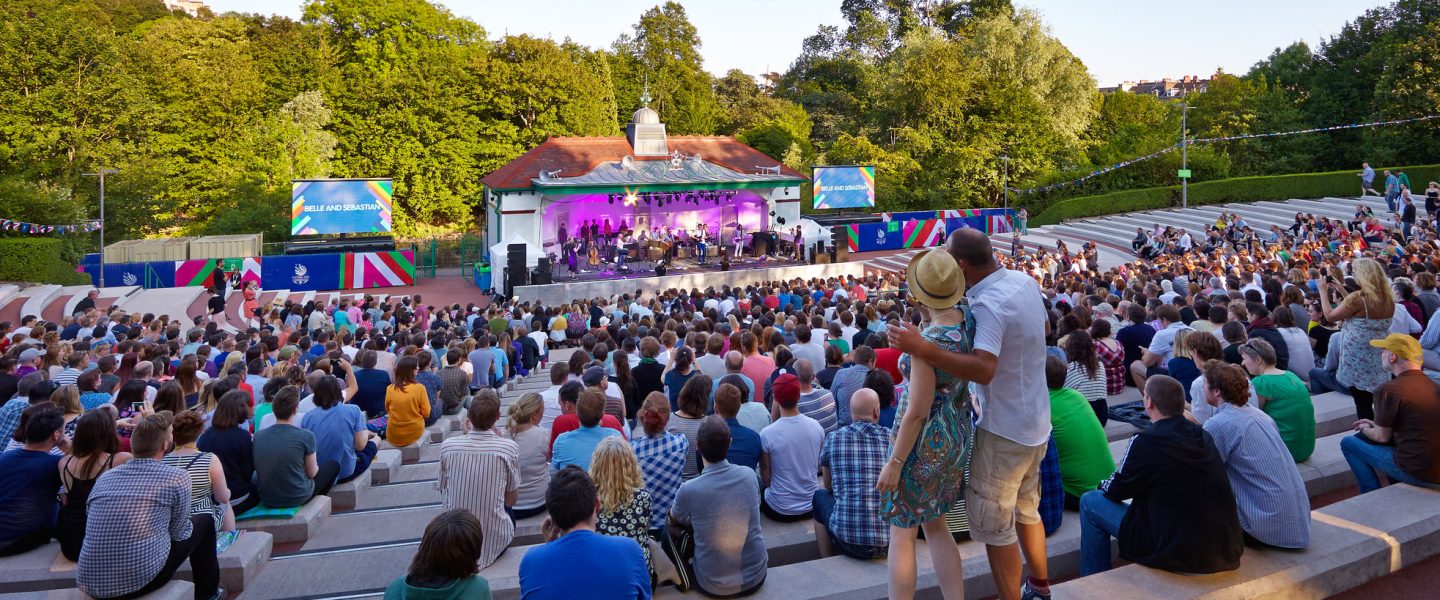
x: 684, y: 274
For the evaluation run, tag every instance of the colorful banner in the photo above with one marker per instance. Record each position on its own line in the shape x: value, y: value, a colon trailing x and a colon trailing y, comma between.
x: 997, y: 224
x: 201, y: 272
x: 924, y: 234
x: 377, y: 269
x: 962, y: 213
x: 852, y: 238
x: 301, y: 273
x: 250, y: 270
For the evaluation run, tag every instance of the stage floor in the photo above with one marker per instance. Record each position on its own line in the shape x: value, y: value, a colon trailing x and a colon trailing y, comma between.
x: 637, y: 269
x: 686, y: 274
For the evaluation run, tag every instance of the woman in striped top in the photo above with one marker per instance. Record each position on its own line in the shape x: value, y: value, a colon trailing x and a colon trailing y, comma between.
x: 694, y: 401
x: 208, y: 492
x: 1083, y: 373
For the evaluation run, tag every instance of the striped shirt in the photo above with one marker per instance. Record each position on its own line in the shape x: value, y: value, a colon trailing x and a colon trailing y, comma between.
x: 1092, y: 388
x: 819, y: 404
x: 662, y: 460
x: 134, y: 513
x: 1269, y: 493
x: 476, y: 470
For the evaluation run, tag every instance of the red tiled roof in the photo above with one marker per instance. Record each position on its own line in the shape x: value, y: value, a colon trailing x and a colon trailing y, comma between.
x: 574, y: 156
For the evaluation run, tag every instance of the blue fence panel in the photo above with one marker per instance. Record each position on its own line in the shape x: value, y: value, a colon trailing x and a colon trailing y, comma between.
x: 877, y: 236
x: 301, y: 273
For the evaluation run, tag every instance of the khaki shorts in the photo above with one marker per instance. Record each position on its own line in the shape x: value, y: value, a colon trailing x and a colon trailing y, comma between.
x: 1004, y: 488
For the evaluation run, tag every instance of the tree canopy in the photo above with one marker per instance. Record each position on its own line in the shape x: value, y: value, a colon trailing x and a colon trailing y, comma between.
x: 208, y: 118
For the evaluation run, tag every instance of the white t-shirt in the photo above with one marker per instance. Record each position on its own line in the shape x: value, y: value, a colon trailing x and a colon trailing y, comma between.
x: 1163, y: 344
x: 1010, y: 324
x: 793, y: 444
x: 550, y: 397
x: 307, y: 404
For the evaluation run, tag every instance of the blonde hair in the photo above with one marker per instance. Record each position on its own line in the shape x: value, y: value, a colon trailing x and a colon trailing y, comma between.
x: 67, y: 397
x: 1182, y: 345
x: 1374, y: 284
x: 522, y: 411
x: 232, y: 359
x: 616, y: 474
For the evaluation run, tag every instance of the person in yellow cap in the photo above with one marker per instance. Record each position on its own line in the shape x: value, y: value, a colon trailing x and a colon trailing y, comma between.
x: 1403, y: 441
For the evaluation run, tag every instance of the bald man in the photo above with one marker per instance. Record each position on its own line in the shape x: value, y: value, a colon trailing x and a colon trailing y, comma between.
x: 847, y: 507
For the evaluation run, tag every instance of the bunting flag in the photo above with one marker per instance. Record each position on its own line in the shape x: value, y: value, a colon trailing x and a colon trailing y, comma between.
x: 1248, y: 136
x: 39, y: 229
x: 377, y: 269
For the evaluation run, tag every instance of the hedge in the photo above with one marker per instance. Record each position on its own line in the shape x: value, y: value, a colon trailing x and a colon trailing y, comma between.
x: 37, y: 260
x: 1342, y: 184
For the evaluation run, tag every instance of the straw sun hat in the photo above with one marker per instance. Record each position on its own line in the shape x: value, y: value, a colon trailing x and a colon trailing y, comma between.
x: 935, y: 279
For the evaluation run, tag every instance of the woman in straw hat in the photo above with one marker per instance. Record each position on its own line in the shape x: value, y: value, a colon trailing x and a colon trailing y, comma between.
x: 924, y: 478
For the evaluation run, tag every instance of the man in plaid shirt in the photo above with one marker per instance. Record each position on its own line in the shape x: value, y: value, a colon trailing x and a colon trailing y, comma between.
x: 139, y: 527
x: 847, y: 507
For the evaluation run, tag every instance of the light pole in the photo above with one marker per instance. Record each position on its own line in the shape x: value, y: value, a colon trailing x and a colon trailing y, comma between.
x: 1005, y: 180
x: 1185, y: 154
x: 101, y: 173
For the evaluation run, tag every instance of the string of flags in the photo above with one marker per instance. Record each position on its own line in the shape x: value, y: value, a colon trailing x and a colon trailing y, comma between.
x: 39, y: 229
x: 1211, y: 140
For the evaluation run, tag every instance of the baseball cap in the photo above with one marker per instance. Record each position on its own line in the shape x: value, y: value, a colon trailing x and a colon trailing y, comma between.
x: 30, y: 354
x: 1401, y: 345
x: 287, y: 352
x: 593, y: 376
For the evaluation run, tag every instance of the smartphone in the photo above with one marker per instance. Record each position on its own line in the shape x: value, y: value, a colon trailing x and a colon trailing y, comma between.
x: 136, y: 406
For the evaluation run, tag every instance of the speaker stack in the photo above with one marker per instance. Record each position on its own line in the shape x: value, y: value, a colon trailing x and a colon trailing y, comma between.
x: 840, y: 236
x: 541, y: 274
x: 515, y: 273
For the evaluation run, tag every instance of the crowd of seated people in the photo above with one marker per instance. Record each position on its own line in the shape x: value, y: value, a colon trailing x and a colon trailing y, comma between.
x: 755, y: 387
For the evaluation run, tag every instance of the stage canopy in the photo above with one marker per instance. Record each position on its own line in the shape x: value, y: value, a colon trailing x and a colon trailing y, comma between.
x: 645, y: 178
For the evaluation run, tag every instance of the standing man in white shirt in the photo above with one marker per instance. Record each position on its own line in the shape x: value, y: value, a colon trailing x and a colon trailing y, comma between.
x: 1003, y: 497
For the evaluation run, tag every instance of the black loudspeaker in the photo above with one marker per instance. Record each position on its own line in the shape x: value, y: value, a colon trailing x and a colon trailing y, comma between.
x: 540, y: 277
x: 816, y: 251
x: 513, y: 248
x: 515, y: 272
x: 509, y: 283
x: 543, y: 264
x: 840, y: 236
x: 660, y: 270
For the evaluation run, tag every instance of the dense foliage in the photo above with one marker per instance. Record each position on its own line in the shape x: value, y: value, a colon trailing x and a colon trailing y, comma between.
x: 209, y: 118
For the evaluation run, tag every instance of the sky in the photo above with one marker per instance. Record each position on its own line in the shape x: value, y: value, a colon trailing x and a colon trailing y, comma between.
x: 1118, y: 40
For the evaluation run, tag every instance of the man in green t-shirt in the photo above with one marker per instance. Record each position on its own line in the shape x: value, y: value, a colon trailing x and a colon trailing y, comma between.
x: 1085, y: 458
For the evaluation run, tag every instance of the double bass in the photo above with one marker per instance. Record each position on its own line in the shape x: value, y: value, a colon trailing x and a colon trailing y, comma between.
x: 594, y: 255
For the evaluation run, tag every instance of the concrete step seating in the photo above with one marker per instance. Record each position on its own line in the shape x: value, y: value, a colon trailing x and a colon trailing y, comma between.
x: 1351, y: 542
x: 44, y: 568
x: 174, y: 590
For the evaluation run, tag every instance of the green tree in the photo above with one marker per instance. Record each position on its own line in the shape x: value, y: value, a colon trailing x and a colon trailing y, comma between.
x: 543, y: 89
x: 663, y: 52
x: 398, y: 107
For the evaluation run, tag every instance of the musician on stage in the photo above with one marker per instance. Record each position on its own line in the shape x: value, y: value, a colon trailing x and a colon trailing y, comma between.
x: 562, y: 236
x: 799, y: 245
x: 701, y: 245
x: 739, y: 240
x: 595, y: 229
x: 608, y: 232
x: 572, y: 257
